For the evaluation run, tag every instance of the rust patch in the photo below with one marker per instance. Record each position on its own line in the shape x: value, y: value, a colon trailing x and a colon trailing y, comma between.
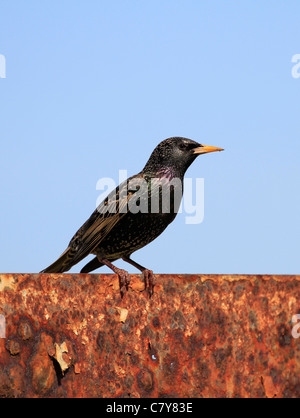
x: 71, y: 335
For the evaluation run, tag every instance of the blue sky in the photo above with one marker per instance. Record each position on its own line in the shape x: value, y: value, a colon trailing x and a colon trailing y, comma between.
x: 92, y: 87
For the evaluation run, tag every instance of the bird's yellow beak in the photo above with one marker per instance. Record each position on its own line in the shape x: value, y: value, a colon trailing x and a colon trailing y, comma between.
x: 205, y: 149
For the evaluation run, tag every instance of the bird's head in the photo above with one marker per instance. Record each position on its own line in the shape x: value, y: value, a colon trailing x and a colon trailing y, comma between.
x: 175, y: 155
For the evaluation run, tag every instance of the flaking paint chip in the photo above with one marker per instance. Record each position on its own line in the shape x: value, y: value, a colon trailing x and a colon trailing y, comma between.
x: 123, y: 314
x: 77, y: 368
x: 60, y: 350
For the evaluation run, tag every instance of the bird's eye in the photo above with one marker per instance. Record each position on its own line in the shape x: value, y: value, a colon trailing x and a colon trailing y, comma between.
x: 182, y: 146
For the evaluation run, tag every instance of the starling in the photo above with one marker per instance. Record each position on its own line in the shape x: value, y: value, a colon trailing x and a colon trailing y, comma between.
x: 134, y: 214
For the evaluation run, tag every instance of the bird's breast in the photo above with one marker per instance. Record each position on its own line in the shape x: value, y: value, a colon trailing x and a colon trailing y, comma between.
x: 149, y: 205
x: 134, y: 231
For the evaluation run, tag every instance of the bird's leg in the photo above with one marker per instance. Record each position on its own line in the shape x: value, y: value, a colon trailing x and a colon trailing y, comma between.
x: 148, y: 275
x: 123, y: 274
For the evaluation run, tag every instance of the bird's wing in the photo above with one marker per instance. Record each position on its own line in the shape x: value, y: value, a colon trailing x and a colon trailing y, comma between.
x: 139, y: 188
x: 113, y: 208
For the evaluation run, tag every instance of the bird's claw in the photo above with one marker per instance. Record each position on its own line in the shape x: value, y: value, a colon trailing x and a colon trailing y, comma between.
x: 124, y: 281
x: 149, y: 280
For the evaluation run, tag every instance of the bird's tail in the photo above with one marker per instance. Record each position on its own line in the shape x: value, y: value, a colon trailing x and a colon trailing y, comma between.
x: 92, y: 265
x: 63, y: 263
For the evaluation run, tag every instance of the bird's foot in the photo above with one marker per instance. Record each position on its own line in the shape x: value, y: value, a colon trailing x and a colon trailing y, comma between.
x: 124, y: 281
x: 149, y: 280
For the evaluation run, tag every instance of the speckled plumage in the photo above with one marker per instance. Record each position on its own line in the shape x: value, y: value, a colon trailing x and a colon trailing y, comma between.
x: 113, y: 231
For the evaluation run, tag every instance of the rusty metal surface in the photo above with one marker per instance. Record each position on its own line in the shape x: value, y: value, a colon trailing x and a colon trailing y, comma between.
x: 71, y: 335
